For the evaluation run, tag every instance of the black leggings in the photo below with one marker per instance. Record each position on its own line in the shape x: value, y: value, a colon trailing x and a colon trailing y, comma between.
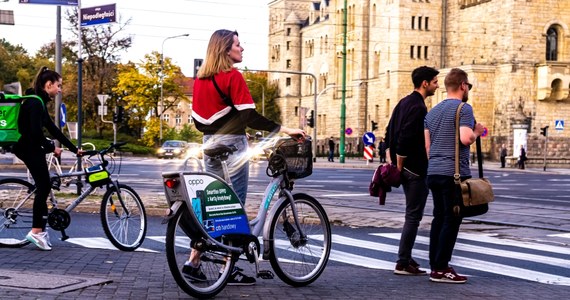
x: 37, y: 165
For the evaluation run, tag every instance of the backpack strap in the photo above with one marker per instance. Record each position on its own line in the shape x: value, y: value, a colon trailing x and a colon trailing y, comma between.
x: 226, y: 99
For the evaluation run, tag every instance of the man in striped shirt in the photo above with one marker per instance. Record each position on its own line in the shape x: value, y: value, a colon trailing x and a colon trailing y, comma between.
x: 440, y: 146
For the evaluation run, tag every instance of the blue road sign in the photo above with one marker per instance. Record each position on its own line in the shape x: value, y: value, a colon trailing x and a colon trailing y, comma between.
x: 62, y: 115
x: 51, y: 2
x: 559, y: 124
x: 368, y: 138
x: 98, y: 15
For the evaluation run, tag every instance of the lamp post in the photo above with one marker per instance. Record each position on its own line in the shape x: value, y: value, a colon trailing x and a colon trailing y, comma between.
x: 262, y: 96
x: 162, y: 79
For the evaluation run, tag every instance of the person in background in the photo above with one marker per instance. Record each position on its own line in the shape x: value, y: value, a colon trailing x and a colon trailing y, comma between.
x: 522, y: 158
x: 223, y: 124
x: 406, y: 147
x: 503, y: 155
x: 382, y: 150
x: 440, y: 137
x: 331, y: 149
x: 33, y: 146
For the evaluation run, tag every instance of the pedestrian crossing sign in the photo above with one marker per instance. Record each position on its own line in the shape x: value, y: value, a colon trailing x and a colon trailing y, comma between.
x: 559, y: 124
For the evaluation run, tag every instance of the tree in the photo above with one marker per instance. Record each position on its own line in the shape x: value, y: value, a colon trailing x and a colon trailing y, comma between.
x: 15, y: 65
x: 254, y: 82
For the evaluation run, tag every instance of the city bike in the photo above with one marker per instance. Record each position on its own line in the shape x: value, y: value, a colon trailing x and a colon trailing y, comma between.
x: 206, y: 216
x: 122, y: 211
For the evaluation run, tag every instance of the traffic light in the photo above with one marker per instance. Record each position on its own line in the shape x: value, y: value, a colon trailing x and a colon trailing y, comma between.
x: 544, y: 130
x: 311, y: 119
x: 118, y: 115
x: 374, y: 125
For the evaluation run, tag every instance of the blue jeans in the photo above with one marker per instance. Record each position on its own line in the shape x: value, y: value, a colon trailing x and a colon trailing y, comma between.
x: 238, y: 162
x: 445, y: 225
x: 416, y: 191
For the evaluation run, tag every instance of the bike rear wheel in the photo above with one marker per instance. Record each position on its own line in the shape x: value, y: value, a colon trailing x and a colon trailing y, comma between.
x: 124, y: 222
x: 178, y: 251
x: 299, y: 261
x: 15, y: 222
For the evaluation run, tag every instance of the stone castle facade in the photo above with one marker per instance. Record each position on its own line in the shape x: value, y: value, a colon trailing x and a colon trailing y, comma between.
x: 516, y: 53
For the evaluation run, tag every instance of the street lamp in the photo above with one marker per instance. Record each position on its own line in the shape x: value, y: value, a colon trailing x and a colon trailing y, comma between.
x: 262, y: 95
x: 162, y: 80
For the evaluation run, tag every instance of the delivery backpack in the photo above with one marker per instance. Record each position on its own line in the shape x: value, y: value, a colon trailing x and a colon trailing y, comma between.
x: 9, y: 112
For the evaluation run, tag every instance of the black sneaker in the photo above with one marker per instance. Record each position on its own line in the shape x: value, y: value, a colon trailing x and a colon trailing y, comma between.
x: 194, y: 274
x: 238, y: 278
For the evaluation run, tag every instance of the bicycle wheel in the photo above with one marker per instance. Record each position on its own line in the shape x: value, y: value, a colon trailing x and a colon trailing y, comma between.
x: 178, y: 251
x: 15, y: 223
x: 296, y: 260
x: 124, y: 222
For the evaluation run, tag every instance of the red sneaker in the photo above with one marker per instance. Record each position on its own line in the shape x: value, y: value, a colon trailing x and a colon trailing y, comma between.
x: 447, y: 276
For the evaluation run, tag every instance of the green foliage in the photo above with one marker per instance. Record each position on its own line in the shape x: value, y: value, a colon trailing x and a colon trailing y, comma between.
x: 189, y: 134
x: 258, y: 87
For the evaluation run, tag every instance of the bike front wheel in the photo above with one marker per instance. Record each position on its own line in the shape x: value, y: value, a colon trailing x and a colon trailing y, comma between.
x: 215, y: 266
x: 124, y: 221
x: 16, y: 202
x: 299, y: 260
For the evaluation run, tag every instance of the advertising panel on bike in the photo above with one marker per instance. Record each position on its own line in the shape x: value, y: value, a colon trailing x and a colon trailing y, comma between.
x: 216, y: 206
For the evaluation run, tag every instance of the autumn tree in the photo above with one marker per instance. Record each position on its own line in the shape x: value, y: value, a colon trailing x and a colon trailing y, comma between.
x: 259, y: 85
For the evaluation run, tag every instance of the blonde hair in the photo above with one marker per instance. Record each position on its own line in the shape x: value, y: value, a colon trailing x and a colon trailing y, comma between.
x: 217, y: 58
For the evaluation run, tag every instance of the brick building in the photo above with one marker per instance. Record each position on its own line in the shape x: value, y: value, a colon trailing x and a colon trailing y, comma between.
x: 516, y: 52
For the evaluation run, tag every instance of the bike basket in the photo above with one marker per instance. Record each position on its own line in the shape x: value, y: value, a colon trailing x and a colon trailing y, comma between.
x: 97, y: 175
x: 298, y: 156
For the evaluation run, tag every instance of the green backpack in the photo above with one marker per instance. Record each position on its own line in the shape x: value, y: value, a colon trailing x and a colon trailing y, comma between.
x: 9, y: 112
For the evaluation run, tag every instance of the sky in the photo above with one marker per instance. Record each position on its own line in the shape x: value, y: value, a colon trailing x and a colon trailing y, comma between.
x: 151, y: 21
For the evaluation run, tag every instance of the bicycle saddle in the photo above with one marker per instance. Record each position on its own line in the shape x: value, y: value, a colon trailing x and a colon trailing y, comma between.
x: 219, y: 150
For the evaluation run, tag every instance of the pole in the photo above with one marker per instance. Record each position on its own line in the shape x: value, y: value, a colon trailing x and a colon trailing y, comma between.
x: 545, y: 148
x: 343, y: 104
x: 162, y: 80
x: 314, y: 100
x: 79, y: 95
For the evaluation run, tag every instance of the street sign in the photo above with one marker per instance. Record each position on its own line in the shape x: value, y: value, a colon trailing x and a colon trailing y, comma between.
x: 102, y: 98
x: 62, y: 115
x: 368, y: 152
x: 102, y: 110
x: 98, y: 15
x: 348, y: 131
x: 485, y: 132
x: 368, y: 138
x: 51, y: 2
x: 559, y: 124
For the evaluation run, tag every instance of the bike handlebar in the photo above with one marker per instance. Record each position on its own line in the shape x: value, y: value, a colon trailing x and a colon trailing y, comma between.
x: 111, y: 147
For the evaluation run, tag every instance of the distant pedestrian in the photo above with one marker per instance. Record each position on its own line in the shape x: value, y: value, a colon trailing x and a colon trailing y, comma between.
x: 522, y: 158
x: 331, y: 149
x: 406, y: 148
x: 440, y: 137
x: 503, y: 155
x: 382, y: 150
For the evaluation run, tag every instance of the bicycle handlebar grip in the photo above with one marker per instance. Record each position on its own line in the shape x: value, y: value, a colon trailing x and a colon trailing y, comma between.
x: 118, y: 145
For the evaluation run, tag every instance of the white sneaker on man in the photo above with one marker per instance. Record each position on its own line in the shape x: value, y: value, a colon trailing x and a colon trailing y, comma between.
x: 39, y: 239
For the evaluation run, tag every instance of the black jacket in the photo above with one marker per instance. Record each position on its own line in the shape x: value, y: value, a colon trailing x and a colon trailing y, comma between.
x: 405, y: 133
x: 32, y: 119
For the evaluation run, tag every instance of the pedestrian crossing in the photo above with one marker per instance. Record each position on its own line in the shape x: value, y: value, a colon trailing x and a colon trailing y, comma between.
x: 474, y: 254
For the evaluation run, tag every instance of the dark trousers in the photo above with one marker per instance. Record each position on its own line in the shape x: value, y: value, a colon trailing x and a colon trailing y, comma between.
x: 503, y: 161
x: 445, y: 225
x: 36, y: 163
x: 416, y: 191
x: 331, y: 155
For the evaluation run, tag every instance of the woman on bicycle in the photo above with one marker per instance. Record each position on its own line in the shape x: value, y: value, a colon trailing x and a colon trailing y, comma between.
x: 223, y: 121
x: 32, y: 147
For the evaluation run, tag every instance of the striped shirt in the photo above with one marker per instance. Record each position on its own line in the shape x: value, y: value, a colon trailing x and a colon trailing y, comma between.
x: 440, y: 121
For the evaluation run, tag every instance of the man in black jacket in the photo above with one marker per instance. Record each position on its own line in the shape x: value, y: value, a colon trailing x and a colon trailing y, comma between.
x: 406, y: 148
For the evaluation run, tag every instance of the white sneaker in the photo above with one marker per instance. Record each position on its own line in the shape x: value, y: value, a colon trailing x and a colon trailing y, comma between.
x: 48, y: 238
x: 39, y: 240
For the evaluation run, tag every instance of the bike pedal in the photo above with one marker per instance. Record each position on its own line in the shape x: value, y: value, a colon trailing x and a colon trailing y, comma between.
x: 265, y: 274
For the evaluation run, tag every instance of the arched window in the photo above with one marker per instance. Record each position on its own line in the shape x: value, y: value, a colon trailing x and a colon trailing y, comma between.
x: 551, y: 44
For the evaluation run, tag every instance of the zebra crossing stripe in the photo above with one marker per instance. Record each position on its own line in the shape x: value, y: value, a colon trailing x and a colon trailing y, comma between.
x: 100, y: 243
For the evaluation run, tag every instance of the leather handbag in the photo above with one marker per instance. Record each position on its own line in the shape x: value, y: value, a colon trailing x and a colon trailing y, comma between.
x: 473, y: 194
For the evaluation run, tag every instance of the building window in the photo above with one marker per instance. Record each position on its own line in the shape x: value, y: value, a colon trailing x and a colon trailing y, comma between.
x: 387, y: 108
x: 190, y: 120
x: 427, y: 23
x: 419, y: 51
x: 178, y: 119
x: 288, y: 81
x: 288, y: 31
x: 425, y: 52
x: 288, y: 64
x: 412, y: 52
x: 288, y: 45
x: 551, y: 44
x: 413, y: 21
x: 420, y: 23
x: 166, y: 118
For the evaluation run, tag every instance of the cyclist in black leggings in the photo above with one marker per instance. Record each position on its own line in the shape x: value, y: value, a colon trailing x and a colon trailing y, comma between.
x: 32, y: 147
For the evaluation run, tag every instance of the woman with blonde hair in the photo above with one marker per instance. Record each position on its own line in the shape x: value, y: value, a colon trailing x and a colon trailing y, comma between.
x: 222, y: 109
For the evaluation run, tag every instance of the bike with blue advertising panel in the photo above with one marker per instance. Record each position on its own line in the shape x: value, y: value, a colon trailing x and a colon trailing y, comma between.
x: 206, y: 217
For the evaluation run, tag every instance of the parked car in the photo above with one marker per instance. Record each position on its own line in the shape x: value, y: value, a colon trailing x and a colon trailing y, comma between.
x: 172, y: 148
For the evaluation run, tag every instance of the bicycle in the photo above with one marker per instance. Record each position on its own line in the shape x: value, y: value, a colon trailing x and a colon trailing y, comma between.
x: 123, y: 215
x: 206, y: 215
